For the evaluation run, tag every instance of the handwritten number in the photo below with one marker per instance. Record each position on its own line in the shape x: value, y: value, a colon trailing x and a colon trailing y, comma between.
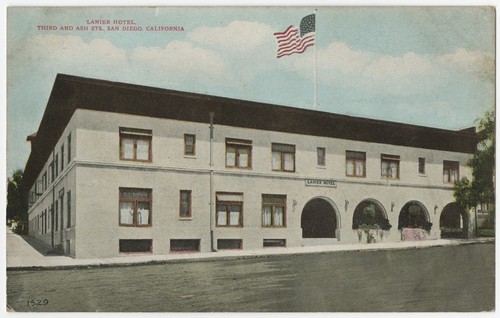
x: 37, y: 302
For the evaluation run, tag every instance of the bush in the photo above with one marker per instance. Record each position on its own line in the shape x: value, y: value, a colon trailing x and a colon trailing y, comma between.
x: 481, y: 232
x: 19, y: 226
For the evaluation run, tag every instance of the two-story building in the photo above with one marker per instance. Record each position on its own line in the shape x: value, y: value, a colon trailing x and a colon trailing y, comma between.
x: 117, y: 169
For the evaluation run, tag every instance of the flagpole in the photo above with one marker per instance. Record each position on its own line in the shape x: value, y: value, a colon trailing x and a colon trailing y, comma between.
x: 315, y: 60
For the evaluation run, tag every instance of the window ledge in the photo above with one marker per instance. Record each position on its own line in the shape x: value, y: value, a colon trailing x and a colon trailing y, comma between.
x: 320, y: 167
x: 185, y: 218
x: 273, y: 227
x: 190, y: 157
x: 238, y: 168
x: 422, y: 175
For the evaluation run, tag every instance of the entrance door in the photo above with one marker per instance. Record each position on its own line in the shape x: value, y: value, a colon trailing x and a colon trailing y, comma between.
x: 454, y: 222
x: 318, y: 219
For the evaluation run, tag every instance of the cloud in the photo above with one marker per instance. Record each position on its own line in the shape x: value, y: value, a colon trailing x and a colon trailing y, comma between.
x: 181, y: 60
x: 479, y: 64
x: 240, y: 36
x: 69, y: 49
x: 388, y: 67
x: 411, y: 74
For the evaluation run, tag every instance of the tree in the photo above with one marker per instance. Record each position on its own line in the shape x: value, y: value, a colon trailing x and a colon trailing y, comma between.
x: 481, y: 189
x: 17, y: 206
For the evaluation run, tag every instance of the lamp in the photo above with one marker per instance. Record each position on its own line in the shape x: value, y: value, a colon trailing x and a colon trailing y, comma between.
x: 392, y: 206
x: 346, y: 204
x: 435, y: 208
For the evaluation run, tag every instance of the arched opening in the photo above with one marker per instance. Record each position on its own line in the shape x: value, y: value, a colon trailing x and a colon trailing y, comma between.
x: 319, y: 219
x: 414, y: 215
x: 370, y: 212
x: 454, y: 221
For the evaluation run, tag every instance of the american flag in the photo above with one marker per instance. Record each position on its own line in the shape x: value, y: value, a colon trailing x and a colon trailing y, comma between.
x: 294, y: 40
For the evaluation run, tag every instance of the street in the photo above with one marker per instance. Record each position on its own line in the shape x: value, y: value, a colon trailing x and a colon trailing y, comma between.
x: 454, y: 278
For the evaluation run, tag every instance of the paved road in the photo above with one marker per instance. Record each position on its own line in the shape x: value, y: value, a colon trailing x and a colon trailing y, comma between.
x: 453, y: 278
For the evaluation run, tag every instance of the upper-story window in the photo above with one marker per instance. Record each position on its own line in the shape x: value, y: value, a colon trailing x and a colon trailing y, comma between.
x: 355, y: 163
x: 44, y: 181
x: 189, y: 145
x: 135, y: 144
x: 421, y: 166
x: 390, y: 166
x: 283, y: 157
x: 62, y: 157
x: 321, y: 156
x: 135, y: 207
x: 450, y: 171
x: 238, y: 153
x: 51, y: 174
x: 69, y: 147
x: 56, y: 164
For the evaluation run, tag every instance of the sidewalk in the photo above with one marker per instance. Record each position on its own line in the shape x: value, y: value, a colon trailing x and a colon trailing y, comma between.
x: 24, y: 252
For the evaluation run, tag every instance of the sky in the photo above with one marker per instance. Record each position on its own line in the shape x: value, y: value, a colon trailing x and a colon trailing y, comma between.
x: 430, y: 66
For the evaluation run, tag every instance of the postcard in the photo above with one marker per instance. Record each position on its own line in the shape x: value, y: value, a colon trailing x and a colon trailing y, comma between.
x: 250, y: 159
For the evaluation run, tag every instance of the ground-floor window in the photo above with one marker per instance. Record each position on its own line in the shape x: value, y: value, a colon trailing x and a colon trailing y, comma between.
x: 229, y: 244
x: 136, y: 246
x: 135, y: 207
x: 274, y: 243
x: 185, y: 204
x: 185, y: 245
x: 229, y: 209
x: 273, y: 210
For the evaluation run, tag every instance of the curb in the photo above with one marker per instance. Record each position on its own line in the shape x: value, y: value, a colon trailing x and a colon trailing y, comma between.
x: 220, y: 257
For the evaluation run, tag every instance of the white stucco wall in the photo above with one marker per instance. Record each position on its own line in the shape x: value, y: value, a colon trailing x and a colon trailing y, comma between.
x: 99, y: 173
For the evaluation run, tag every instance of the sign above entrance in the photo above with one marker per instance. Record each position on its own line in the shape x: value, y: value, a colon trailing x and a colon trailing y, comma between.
x: 321, y: 183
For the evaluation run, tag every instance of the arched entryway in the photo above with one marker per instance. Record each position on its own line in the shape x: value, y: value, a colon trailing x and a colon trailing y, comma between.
x: 414, y: 215
x: 454, y: 221
x: 319, y: 219
x: 370, y: 212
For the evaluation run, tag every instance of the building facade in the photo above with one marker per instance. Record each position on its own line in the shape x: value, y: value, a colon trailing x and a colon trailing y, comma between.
x: 119, y: 169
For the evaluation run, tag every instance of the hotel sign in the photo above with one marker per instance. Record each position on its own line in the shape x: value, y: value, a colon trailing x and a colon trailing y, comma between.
x: 321, y: 183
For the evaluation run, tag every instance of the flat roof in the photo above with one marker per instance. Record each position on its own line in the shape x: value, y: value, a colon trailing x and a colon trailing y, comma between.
x: 72, y: 92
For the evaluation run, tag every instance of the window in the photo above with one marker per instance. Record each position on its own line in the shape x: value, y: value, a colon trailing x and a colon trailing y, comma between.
x: 189, y: 145
x: 135, y: 207
x: 229, y: 244
x: 68, y: 208
x: 69, y: 147
x: 62, y: 157
x: 321, y: 154
x: 273, y: 210
x: 450, y: 171
x: 49, y: 214
x: 51, y: 173
x: 44, y: 181
x: 355, y: 163
x: 390, y: 166
x: 283, y: 157
x: 45, y: 221
x: 238, y: 153
x: 135, y: 144
x: 185, y: 204
x: 186, y: 245
x: 421, y: 165
x: 56, y: 163
x: 230, y: 209
x: 136, y: 246
x: 274, y: 243
x: 56, y: 223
